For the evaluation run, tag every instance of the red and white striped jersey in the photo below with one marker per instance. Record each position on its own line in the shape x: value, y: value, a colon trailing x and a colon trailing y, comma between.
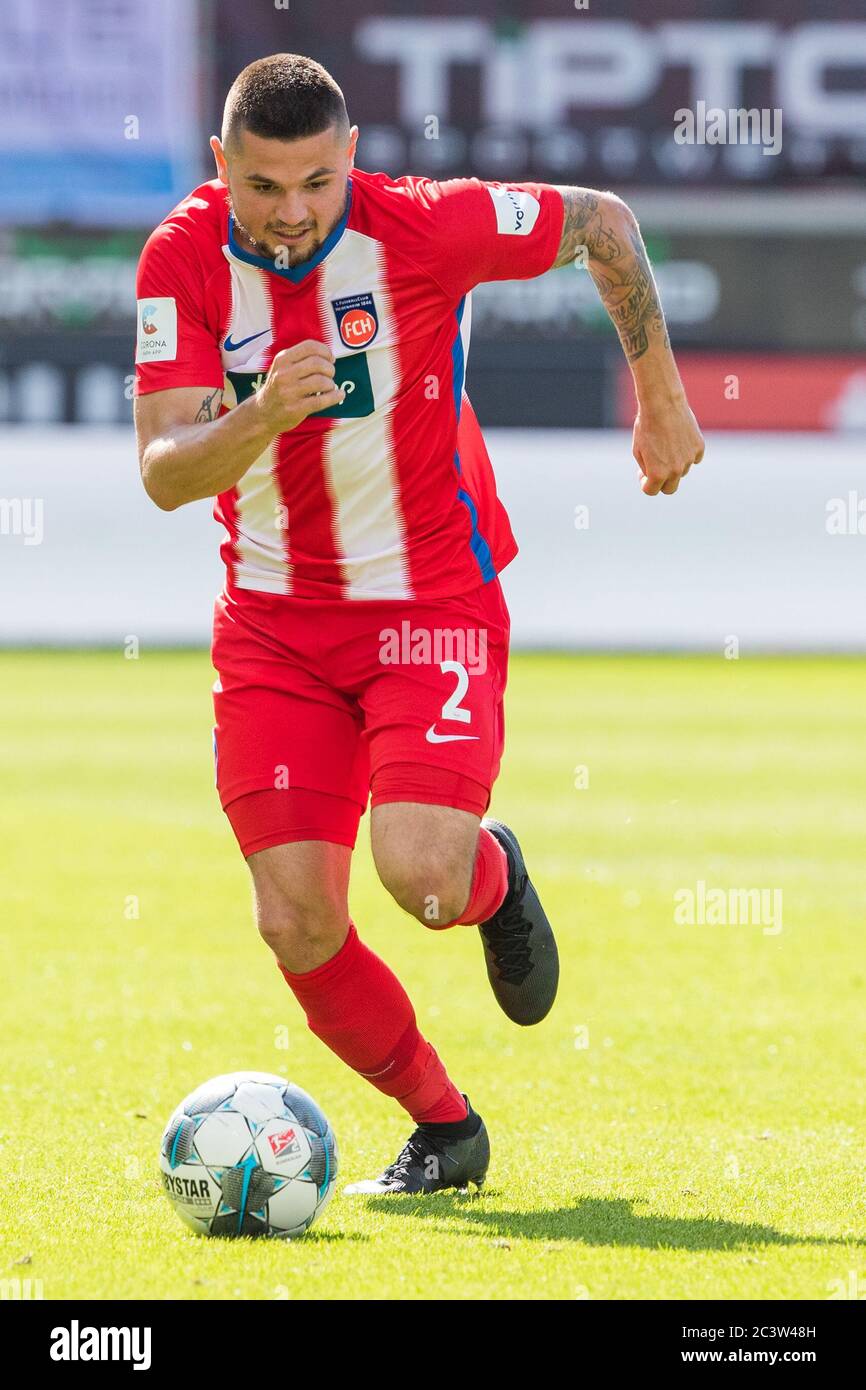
x: 390, y: 494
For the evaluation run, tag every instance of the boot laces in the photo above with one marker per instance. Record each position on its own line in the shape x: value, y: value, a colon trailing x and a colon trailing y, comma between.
x: 416, y: 1150
x: 507, y: 935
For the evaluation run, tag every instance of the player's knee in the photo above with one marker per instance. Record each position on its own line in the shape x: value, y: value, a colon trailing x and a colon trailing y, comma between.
x: 433, y: 888
x: 289, y: 918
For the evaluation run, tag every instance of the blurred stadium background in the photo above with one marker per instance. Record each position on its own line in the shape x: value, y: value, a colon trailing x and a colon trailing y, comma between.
x: 105, y: 110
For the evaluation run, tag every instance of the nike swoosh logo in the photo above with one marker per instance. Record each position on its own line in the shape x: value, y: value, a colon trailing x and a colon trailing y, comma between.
x: 375, y: 1073
x: 233, y: 347
x: 432, y: 736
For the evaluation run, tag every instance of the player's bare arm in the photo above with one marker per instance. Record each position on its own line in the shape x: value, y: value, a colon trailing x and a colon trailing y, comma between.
x: 603, y: 229
x: 188, y: 451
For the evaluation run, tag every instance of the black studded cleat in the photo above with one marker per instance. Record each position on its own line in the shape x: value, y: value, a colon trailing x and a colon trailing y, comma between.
x: 432, y: 1160
x: 519, y: 946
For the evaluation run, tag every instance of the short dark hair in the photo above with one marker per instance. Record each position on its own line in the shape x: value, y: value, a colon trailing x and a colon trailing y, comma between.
x: 284, y: 97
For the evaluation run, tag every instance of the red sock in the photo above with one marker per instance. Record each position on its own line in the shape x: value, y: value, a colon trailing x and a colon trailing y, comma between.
x: 359, y: 1009
x: 489, y: 881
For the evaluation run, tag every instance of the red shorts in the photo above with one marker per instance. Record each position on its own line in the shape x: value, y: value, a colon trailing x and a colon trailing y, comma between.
x: 318, y: 703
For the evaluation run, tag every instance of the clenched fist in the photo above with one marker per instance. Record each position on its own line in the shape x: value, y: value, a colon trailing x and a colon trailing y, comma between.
x: 666, y: 442
x: 300, y: 382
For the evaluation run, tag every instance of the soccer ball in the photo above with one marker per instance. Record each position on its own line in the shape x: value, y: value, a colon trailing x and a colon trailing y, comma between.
x: 248, y: 1154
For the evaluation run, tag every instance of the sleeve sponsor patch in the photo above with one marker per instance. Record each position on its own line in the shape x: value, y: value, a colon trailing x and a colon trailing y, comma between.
x: 157, y: 330
x: 516, y: 211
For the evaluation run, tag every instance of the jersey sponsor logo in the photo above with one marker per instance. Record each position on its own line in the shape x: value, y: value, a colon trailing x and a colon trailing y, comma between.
x: 357, y: 320
x: 285, y: 1144
x: 516, y: 211
x: 239, y: 386
x: 432, y: 736
x: 352, y: 373
x: 233, y: 347
x: 157, y: 330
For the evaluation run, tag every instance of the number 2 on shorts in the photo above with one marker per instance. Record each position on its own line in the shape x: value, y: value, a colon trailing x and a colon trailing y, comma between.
x: 452, y: 708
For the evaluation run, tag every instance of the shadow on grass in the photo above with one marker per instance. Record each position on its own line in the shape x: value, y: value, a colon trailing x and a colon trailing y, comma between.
x: 597, y: 1221
x: 314, y: 1236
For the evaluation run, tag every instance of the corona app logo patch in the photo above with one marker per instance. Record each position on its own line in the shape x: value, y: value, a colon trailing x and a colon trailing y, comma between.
x: 357, y: 320
x: 157, y: 330
x: 284, y: 1143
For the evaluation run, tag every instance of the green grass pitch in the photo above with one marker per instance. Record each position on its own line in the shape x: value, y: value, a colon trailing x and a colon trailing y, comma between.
x: 687, y: 1123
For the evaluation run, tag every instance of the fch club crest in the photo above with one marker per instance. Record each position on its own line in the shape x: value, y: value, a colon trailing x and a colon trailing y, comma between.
x: 357, y: 319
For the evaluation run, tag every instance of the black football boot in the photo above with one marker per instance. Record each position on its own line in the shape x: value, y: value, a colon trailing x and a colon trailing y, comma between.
x: 519, y: 946
x: 433, y: 1159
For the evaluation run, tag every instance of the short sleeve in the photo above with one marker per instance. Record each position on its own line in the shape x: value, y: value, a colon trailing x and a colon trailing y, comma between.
x: 490, y: 231
x: 178, y: 334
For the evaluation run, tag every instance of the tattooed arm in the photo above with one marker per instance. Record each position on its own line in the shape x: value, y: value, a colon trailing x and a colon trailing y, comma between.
x: 187, y: 450
x: 601, y: 232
